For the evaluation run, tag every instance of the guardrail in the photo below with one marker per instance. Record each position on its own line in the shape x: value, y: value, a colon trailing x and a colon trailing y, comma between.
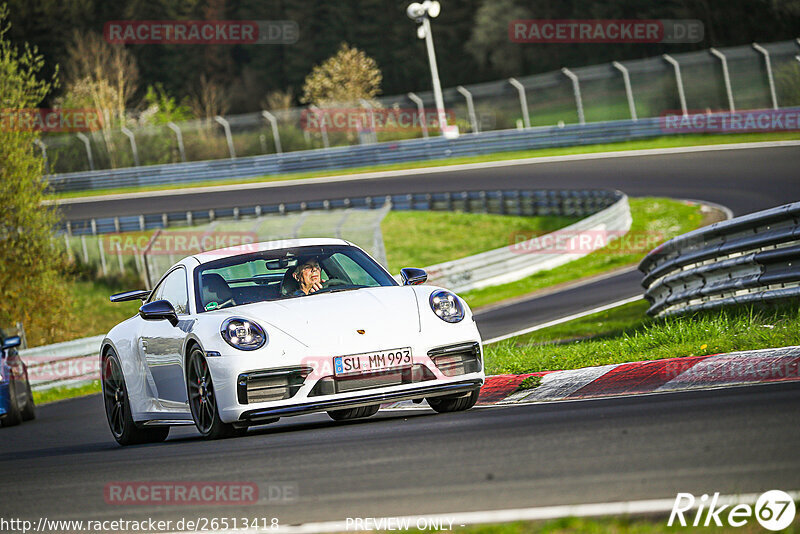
x: 518, y: 260
x: 750, y: 259
x: 361, y: 156
x: 63, y: 364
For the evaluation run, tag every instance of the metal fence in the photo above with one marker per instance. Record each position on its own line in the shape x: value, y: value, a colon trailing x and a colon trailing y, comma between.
x: 148, y: 250
x: 743, y: 77
x: 745, y: 260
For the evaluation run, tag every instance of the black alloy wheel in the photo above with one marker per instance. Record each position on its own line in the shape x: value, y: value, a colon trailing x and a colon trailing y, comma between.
x: 118, y: 408
x: 203, y: 401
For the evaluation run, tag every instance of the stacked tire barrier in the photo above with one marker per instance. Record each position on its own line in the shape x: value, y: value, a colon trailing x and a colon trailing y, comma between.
x: 746, y: 260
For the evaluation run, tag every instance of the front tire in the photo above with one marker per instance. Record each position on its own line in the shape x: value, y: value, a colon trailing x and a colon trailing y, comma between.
x: 29, y: 412
x: 118, y: 408
x: 354, y: 413
x: 203, y: 400
x: 454, y: 403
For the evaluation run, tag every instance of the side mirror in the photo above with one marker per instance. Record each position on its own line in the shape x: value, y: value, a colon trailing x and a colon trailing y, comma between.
x: 413, y: 277
x: 159, y: 310
x: 11, y: 342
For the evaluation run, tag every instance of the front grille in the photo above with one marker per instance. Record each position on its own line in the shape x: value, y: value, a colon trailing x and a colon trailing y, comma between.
x: 395, y: 377
x: 271, y: 385
x: 457, y: 360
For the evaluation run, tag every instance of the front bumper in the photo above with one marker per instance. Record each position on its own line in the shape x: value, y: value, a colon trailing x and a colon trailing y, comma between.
x: 247, y: 390
x: 365, y: 399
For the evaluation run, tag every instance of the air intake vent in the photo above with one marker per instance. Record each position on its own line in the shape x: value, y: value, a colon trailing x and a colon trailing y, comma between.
x: 272, y: 385
x: 457, y: 360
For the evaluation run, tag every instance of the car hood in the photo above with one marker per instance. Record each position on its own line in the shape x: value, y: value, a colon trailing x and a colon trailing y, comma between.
x: 330, y: 321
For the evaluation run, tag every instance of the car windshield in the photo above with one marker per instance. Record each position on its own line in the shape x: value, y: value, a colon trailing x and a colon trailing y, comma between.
x: 285, y: 274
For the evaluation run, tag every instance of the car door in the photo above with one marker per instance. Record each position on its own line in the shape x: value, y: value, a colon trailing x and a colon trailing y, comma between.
x: 161, y: 343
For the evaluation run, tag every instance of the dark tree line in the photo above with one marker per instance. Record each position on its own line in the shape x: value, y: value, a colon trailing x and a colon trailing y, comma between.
x: 471, y: 37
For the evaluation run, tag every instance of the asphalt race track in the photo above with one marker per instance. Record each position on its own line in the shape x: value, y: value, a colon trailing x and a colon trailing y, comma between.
x: 523, y: 313
x: 743, y: 180
x: 415, y: 463
x: 734, y: 440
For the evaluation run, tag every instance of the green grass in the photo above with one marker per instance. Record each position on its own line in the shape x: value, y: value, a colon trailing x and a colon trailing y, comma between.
x: 96, y: 314
x: 614, y: 322
x: 625, y: 334
x: 658, y: 142
x: 61, y: 393
x: 652, y: 218
x: 613, y: 525
x: 422, y: 238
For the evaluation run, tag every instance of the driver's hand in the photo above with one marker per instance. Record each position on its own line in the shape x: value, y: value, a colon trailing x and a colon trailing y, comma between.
x: 316, y: 287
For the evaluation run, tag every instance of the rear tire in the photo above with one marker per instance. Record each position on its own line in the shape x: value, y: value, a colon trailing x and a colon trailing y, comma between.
x: 118, y: 408
x: 454, y: 404
x: 29, y: 412
x: 354, y: 413
x: 13, y: 416
x: 203, y: 400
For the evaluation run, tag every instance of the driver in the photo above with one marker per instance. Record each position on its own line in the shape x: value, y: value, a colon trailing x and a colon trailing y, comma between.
x: 308, y: 275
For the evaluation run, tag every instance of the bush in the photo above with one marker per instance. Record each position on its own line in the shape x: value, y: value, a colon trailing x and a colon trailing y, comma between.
x: 32, y: 280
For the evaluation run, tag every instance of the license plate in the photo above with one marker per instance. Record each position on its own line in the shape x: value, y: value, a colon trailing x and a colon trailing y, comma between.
x: 372, y: 361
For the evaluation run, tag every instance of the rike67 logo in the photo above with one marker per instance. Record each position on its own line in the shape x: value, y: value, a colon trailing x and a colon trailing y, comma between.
x: 774, y: 510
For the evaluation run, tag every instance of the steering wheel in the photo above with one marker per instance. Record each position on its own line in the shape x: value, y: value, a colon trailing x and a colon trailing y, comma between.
x: 333, y: 282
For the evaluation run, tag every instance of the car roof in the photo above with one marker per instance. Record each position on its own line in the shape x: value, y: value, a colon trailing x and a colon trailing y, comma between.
x: 211, y: 255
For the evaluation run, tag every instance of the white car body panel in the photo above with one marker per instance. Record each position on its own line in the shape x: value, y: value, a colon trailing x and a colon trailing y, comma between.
x: 302, y: 331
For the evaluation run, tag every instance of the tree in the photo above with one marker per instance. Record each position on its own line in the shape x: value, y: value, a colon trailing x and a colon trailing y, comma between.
x: 347, y: 76
x: 32, y: 288
x: 209, y: 99
x: 104, y: 77
x: 278, y: 100
x: 489, y: 43
x: 107, y: 72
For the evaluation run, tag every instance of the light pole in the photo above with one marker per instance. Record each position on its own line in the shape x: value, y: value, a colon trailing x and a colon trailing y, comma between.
x: 422, y: 13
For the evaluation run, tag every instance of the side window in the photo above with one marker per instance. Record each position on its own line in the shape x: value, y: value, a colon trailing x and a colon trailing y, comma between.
x: 156, y: 292
x: 173, y: 289
x: 353, y: 270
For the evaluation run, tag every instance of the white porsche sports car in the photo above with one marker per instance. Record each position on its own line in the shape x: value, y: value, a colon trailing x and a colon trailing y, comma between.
x: 243, y: 336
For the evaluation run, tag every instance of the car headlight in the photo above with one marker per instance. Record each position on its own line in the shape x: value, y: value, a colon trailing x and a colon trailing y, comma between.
x: 243, y: 334
x: 446, y: 306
